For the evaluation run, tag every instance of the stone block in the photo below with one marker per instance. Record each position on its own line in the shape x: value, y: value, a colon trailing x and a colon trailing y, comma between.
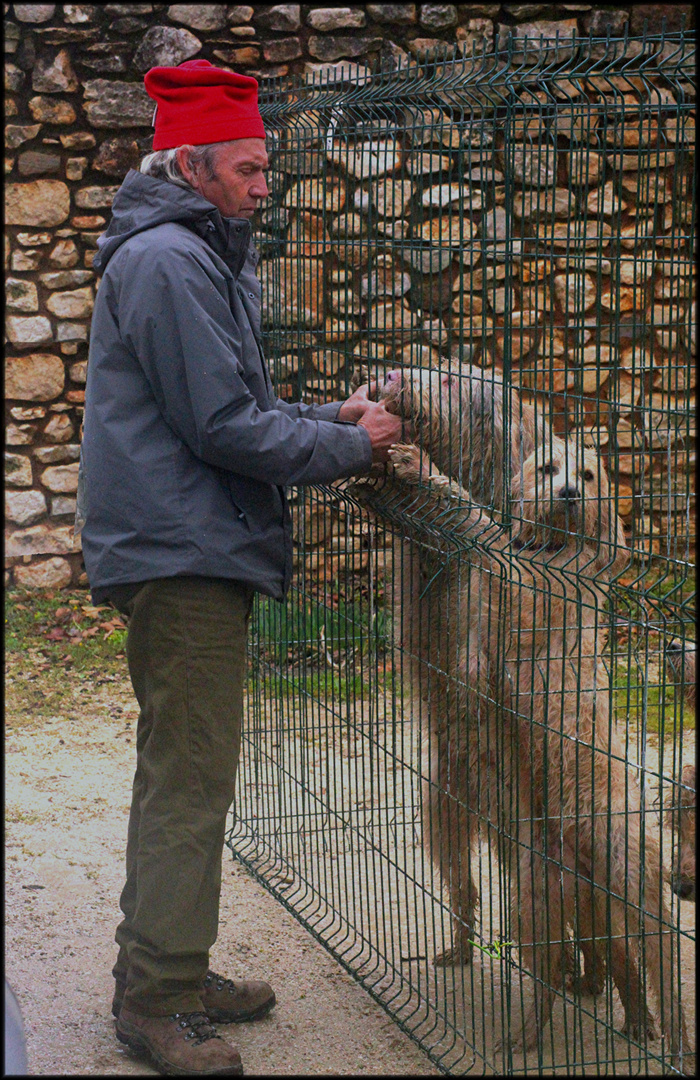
x: 69, y: 331
x: 245, y: 56
x: 330, y: 48
x: 51, y: 112
x: 673, y: 16
x: 37, y: 203
x: 240, y: 13
x: 78, y: 13
x: 111, y: 104
x: 21, y: 295
x: 54, y: 75
x: 78, y: 140
x: 94, y: 198
x: 534, y: 166
x: 165, y: 46
x: 575, y: 292
x: 78, y: 371
x: 49, y: 455
x: 307, y: 235
x: 42, y: 540
x: 75, y: 304
x: 24, y: 507
x: 335, y: 18
x: 63, y: 505
x: 34, y: 13
x: 59, y: 428
x: 16, y: 134
x: 54, y: 573
x: 282, y: 49
x: 296, y: 289
x: 25, y: 260
x: 28, y: 329
x: 62, y: 478
x: 34, y: 162
x: 18, y: 470
x: 367, y: 160
x: 199, y: 16
x: 37, y: 377
x: 316, y: 195
x: 19, y: 434
x: 281, y: 17
x: 65, y: 253
x: 395, y: 14
x: 438, y: 16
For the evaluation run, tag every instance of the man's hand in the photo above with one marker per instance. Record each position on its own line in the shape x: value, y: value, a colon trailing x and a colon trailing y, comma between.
x: 357, y: 404
x: 383, y: 428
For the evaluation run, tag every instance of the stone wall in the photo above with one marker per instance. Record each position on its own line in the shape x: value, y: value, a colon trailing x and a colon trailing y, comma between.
x: 78, y: 118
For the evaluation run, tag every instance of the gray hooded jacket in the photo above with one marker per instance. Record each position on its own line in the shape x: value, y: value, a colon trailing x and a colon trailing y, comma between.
x: 186, y: 450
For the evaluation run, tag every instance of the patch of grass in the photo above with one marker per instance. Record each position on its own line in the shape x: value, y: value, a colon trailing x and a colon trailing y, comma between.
x: 660, y: 706
x: 64, y: 628
x: 58, y: 648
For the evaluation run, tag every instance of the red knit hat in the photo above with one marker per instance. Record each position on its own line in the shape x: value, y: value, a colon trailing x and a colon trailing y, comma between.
x: 197, y: 103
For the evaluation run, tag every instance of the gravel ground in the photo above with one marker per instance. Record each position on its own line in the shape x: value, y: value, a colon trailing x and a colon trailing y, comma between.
x: 68, y: 782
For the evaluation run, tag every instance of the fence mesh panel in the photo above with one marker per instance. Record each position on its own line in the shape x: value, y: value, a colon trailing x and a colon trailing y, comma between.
x: 468, y: 766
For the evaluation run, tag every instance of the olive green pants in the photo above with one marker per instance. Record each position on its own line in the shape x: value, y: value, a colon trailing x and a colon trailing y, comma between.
x: 186, y: 652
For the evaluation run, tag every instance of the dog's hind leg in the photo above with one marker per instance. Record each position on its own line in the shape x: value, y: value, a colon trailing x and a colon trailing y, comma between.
x: 538, y: 915
x: 645, y: 913
x: 446, y: 826
x: 588, y: 929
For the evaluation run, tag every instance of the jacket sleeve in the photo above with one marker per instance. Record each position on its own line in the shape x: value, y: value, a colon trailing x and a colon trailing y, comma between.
x: 327, y: 411
x: 174, y: 315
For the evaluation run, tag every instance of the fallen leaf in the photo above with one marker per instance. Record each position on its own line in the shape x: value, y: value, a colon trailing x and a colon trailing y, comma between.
x: 57, y: 634
x: 93, y: 612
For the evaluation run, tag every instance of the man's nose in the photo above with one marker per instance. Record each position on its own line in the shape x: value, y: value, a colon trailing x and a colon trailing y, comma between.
x: 260, y: 189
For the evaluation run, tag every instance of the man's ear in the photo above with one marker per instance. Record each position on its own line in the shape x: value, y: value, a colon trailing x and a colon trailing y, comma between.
x: 182, y: 155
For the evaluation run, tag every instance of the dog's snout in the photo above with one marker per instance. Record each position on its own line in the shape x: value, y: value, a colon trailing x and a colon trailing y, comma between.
x: 570, y: 491
x: 683, y: 887
x: 393, y: 376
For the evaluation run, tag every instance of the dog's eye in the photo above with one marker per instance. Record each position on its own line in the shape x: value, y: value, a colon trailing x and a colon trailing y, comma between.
x: 546, y: 470
x: 588, y: 475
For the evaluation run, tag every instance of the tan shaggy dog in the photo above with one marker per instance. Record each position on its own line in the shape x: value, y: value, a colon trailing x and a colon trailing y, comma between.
x: 505, y: 626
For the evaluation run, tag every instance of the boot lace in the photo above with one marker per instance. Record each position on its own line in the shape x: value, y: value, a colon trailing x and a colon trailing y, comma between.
x: 220, y: 981
x: 200, y: 1029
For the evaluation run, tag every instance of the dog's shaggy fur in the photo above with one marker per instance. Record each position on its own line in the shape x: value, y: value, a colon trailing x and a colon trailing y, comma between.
x: 505, y: 627
x: 684, y: 811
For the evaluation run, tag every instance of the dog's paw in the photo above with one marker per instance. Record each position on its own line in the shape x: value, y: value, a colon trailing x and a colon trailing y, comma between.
x: 633, y: 1029
x: 408, y: 462
x: 585, y: 985
x: 453, y: 957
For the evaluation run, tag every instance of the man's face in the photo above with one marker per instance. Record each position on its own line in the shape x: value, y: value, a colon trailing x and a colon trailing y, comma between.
x: 239, y: 181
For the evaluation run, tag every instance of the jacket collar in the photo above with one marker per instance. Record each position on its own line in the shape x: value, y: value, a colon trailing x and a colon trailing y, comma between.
x: 229, y: 237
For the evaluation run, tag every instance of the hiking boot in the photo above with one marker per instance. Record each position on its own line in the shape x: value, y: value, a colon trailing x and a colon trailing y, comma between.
x: 224, y: 1001
x: 229, y: 1002
x: 181, y: 1045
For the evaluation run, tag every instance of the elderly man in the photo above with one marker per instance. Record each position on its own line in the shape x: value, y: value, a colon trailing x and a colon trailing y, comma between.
x: 186, y: 455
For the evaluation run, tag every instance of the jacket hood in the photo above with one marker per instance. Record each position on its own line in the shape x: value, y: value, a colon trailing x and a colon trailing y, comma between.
x: 143, y: 202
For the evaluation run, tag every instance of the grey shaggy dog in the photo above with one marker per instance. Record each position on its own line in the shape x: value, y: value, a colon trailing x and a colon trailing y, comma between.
x: 505, y: 628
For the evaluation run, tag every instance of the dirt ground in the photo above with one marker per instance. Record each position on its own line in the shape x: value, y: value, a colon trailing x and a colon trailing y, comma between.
x: 68, y: 783
x: 70, y: 754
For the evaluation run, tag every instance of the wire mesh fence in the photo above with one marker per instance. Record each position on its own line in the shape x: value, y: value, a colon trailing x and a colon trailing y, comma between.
x: 469, y: 759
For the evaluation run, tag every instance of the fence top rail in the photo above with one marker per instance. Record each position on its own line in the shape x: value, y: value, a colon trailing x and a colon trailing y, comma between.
x: 499, y: 76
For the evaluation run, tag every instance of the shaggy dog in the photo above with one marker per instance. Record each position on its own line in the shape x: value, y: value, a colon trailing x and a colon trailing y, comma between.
x: 505, y: 628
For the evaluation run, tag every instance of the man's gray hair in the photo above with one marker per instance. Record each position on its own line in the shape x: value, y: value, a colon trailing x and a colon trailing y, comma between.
x: 163, y: 164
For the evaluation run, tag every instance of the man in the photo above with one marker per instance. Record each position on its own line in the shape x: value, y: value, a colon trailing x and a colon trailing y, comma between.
x: 185, y: 457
